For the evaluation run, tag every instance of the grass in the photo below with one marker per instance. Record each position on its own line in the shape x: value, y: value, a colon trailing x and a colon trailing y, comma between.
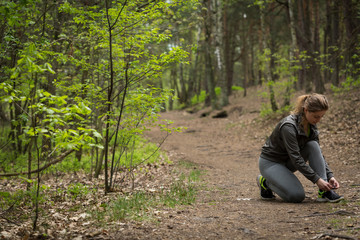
x: 141, y: 205
x: 186, y: 164
x: 180, y: 193
x: 132, y: 206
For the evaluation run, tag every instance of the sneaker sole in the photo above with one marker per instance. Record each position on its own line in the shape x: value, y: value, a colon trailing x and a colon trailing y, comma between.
x: 268, y: 199
x: 322, y: 200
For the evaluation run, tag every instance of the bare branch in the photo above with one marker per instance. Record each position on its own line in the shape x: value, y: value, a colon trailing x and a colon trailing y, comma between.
x: 54, y: 161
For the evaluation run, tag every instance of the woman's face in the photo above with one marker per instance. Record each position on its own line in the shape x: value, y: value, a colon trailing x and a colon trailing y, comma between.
x: 314, y: 117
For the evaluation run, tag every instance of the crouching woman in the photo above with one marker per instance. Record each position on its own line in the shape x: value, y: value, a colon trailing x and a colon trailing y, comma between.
x: 294, y: 146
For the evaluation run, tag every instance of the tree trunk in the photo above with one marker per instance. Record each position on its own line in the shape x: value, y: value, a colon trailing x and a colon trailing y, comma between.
x: 352, y: 23
x: 183, y: 92
x: 221, y: 33
x: 293, y: 48
x: 307, y: 43
x: 326, y: 40
x: 193, y: 76
x: 267, y: 63
x: 209, y: 73
x: 172, y: 85
x: 109, y: 100
x: 319, y: 82
x: 334, y: 44
x: 245, y: 68
x: 302, y: 41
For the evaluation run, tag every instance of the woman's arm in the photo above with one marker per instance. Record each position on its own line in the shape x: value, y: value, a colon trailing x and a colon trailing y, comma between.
x: 288, y: 134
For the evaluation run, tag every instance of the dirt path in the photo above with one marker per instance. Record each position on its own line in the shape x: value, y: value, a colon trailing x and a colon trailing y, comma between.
x: 228, y: 207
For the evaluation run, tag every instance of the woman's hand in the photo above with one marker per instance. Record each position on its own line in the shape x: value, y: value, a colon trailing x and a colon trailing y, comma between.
x: 334, y: 184
x: 323, y: 185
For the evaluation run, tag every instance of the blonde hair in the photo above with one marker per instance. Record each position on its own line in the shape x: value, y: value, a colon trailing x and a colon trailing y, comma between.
x: 312, y: 102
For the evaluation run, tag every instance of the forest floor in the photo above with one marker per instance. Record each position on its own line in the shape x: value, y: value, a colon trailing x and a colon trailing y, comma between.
x: 227, y: 149
x: 228, y: 205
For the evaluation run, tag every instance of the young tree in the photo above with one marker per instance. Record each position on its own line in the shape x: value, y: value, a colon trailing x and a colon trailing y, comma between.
x: 267, y: 59
x: 209, y: 70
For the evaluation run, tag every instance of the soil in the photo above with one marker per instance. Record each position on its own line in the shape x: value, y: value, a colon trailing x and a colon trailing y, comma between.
x: 228, y: 204
x: 227, y: 149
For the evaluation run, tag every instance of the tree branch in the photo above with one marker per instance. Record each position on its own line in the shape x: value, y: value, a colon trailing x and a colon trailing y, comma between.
x: 54, y: 161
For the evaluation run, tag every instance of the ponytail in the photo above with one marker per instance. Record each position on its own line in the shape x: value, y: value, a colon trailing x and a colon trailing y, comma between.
x: 312, y: 102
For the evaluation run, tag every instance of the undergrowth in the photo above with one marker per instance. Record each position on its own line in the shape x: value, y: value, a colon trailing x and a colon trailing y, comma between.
x: 142, y: 205
x: 144, y: 152
x: 135, y: 205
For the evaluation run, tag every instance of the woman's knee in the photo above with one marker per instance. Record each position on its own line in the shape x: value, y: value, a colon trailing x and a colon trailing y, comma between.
x: 312, y: 144
x: 312, y: 148
x: 295, y: 197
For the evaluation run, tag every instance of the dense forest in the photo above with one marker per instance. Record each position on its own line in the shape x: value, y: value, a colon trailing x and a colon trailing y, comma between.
x: 82, y: 81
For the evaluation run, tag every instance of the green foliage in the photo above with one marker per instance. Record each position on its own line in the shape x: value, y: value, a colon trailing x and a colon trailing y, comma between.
x: 200, y: 98
x: 352, y: 79
x: 8, y: 164
x: 32, y: 193
x: 237, y: 88
x: 47, y: 115
x: 283, y: 88
x: 136, y: 152
x: 19, y: 199
x: 78, y: 190
x: 347, y: 85
x: 8, y: 199
x: 71, y: 164
x: 142, y: 152
x: 141, y: 111
x: 267, y: 112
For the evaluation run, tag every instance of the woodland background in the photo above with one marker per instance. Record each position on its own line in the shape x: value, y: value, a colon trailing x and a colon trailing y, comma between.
x: 82, y: 81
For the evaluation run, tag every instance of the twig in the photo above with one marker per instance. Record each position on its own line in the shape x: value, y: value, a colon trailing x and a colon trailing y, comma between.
x: 346, y: 229
x: 7, y: 210
x: 340, y: 212
x: 334, y: 236
x: 10, y: 221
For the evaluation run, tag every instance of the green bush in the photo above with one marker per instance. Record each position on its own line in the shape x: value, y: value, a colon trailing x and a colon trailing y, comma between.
x: 267, y: 112
x: 237, y: 88
x: 348, y: 84
x: 200, y: 98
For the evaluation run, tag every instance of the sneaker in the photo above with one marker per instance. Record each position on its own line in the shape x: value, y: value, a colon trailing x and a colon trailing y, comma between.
x: 265, y: 191
x: 329, y: 196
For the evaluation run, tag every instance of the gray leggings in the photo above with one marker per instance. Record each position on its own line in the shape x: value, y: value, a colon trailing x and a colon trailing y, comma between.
x: 281, y: 179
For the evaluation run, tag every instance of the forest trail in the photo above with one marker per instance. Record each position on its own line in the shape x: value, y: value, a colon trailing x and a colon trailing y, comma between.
x: 228, y: 205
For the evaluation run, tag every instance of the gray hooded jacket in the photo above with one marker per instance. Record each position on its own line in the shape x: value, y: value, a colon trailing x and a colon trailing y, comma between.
x: 286, y: 142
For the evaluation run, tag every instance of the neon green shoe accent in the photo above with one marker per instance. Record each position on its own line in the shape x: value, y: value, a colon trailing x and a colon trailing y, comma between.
x: 262, y: 181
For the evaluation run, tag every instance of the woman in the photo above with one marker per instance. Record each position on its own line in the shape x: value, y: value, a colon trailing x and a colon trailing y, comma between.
x: 292, y: 146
